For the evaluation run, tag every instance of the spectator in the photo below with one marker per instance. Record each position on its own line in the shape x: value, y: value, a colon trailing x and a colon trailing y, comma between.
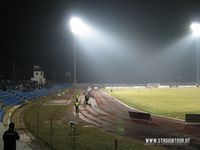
x: 10, y: 136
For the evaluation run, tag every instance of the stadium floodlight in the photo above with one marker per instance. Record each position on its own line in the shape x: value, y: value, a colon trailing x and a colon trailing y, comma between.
x: 195, y: 29
x: 78, y: 27
x: 196, y: 33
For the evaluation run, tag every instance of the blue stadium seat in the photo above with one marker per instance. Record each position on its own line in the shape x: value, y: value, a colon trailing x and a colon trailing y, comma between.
x: 15, y: 97
x: 1, y: 115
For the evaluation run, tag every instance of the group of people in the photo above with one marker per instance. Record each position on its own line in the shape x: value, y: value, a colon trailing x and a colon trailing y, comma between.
x: 88, y: 93
x: 23, y: 85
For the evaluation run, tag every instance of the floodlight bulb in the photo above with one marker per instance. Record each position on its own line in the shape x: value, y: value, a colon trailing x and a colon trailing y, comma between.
x: 78, y: 26
x: 75, y: 24
x: 195, y: 29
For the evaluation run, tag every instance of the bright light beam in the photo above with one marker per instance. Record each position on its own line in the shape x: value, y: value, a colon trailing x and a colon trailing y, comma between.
x: 196, y: 33
x: 195, y: 29
x: 78, y: 27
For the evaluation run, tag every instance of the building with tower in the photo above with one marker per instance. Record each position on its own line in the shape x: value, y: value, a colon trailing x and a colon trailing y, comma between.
x: 38, y: 75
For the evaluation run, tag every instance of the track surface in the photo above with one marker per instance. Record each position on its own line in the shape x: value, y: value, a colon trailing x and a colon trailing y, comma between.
x: 111, y: 115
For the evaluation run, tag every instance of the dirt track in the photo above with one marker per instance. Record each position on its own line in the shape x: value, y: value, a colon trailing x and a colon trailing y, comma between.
x: 111, y: 115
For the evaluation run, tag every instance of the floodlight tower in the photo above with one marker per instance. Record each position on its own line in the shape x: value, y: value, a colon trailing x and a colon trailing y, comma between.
x: 74, y: 25
x: 78, y: 27
x: 196, y: 33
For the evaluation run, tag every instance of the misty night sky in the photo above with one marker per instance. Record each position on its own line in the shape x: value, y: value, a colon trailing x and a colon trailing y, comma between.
x: 149, y: 40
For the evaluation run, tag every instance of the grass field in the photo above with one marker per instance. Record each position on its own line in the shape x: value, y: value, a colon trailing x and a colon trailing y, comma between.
x: 37, y: 119
x: 170, y: 102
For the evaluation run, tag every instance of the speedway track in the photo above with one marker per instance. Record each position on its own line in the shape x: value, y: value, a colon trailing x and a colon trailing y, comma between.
x: 107, y: 113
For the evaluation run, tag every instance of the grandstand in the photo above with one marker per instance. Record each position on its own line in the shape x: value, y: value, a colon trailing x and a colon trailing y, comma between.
x: 12, y: 97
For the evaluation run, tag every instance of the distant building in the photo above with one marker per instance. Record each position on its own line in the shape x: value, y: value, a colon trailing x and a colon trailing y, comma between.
x: 38, y: 75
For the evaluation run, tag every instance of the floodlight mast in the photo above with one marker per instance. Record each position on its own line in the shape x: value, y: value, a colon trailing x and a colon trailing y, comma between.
x: 75, y: 81
x: 197, y: 47
x: 76, y: 26
x: 196, y: 33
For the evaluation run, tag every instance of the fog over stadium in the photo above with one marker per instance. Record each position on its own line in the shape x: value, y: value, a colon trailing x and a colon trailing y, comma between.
x: 131, y: 41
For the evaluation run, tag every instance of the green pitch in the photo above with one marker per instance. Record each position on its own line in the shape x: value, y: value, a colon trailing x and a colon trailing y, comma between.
x: 170, y: 102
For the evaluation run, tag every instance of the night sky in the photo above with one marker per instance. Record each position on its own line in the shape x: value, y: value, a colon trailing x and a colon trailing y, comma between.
x: 141, y: 40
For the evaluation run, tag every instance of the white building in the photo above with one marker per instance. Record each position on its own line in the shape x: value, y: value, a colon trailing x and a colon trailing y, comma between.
x: 38, y: 75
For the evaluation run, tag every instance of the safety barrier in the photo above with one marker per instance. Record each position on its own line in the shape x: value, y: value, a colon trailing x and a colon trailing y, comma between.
x: 139, y: 115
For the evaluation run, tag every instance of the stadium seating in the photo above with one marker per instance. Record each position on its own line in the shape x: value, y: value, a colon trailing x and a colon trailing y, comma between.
x: 14, y: 97
x: 1, y: 114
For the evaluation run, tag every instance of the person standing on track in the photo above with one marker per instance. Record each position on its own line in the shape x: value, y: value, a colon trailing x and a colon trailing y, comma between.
x: 9, y: 137
x: 86, y: 99
x: 77, y: 105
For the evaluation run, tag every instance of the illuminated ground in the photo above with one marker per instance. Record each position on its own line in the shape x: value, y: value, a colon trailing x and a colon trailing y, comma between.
x: 108, y: 113
x: 89, y: 137
x: 170, y: 102
x: 104, y: 113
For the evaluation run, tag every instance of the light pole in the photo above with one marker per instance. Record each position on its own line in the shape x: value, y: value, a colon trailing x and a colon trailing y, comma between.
x: 75, y: 81
x: 78, y: 27
x: 196, y: 33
